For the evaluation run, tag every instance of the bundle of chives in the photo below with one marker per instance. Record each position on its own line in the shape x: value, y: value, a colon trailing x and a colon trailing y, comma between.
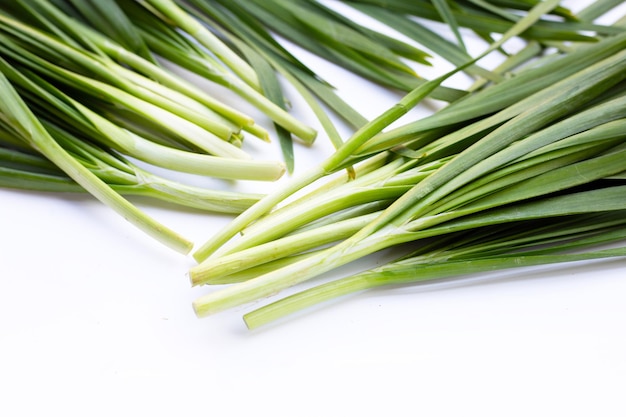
x: 167, y: 28
x: 95, y: 113
x: 481, y: 250
x: 258, y: 28
x: 556, y: 153
x: 23, y: 124
x: 24, y: 168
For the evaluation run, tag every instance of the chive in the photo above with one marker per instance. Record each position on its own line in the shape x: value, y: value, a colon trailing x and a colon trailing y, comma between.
x: 171, y: 44
x: 90, y: 111
x: 358, y: 138
x: 413, y: 271
x: 522, y: 168
x: 170, y: 10
x: 30, y: 172
x: 109, y: 18
x: 16, y: 114
x: 501, y: 167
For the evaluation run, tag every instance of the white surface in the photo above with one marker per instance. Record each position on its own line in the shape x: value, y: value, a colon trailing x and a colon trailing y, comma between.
x: 95, y: 320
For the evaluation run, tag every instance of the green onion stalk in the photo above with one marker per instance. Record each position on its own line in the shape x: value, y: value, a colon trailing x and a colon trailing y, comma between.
x: 55, y: 106
x: 91, y: 115
x: 483, y: 18
x: 169, y: 43
x: 22, y: 167
x: 546, y: 155
x: 162, y: 30
x: 82, y: 29
x: 532, y: 243
x: 101, y: 80
x: 16, y: 114
x: 350, y: 153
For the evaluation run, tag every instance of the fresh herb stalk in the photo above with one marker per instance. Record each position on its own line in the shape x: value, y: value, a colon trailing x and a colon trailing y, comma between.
x: 16, y: 114
x: 588, y: 99
x: 425, y: 269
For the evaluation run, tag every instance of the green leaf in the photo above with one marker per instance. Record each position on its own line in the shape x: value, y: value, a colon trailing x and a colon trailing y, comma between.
x: 107, y: 17
x: 444, y: 10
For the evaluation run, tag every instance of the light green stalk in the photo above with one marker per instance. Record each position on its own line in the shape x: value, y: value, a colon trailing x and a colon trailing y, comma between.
x: 103, y: 130
x: 356, y: 140
x: 15, y: 113
x: 603, y: 200
x: 25, y: 171
x: 193, y: 27
x: 388, y: 276
x: 80, y: 32
x: 403, y: 217
x: 247, y: 84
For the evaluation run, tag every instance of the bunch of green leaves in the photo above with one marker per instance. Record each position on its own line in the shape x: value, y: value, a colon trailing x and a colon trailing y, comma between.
x: 36, y: 38
x: 163, y: 29
x: 17, y: 118
x: 22, y: 167
x: 321, y: 30
x: 258, y: 30
x: 531, y: 147
x: 518, y: 244
x: 96, y: 113
x: 330, y: 33
x: 486, y: 18
x: 141, y: 35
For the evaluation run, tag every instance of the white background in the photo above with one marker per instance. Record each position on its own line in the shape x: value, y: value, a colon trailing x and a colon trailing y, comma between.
x: 95, y: 320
